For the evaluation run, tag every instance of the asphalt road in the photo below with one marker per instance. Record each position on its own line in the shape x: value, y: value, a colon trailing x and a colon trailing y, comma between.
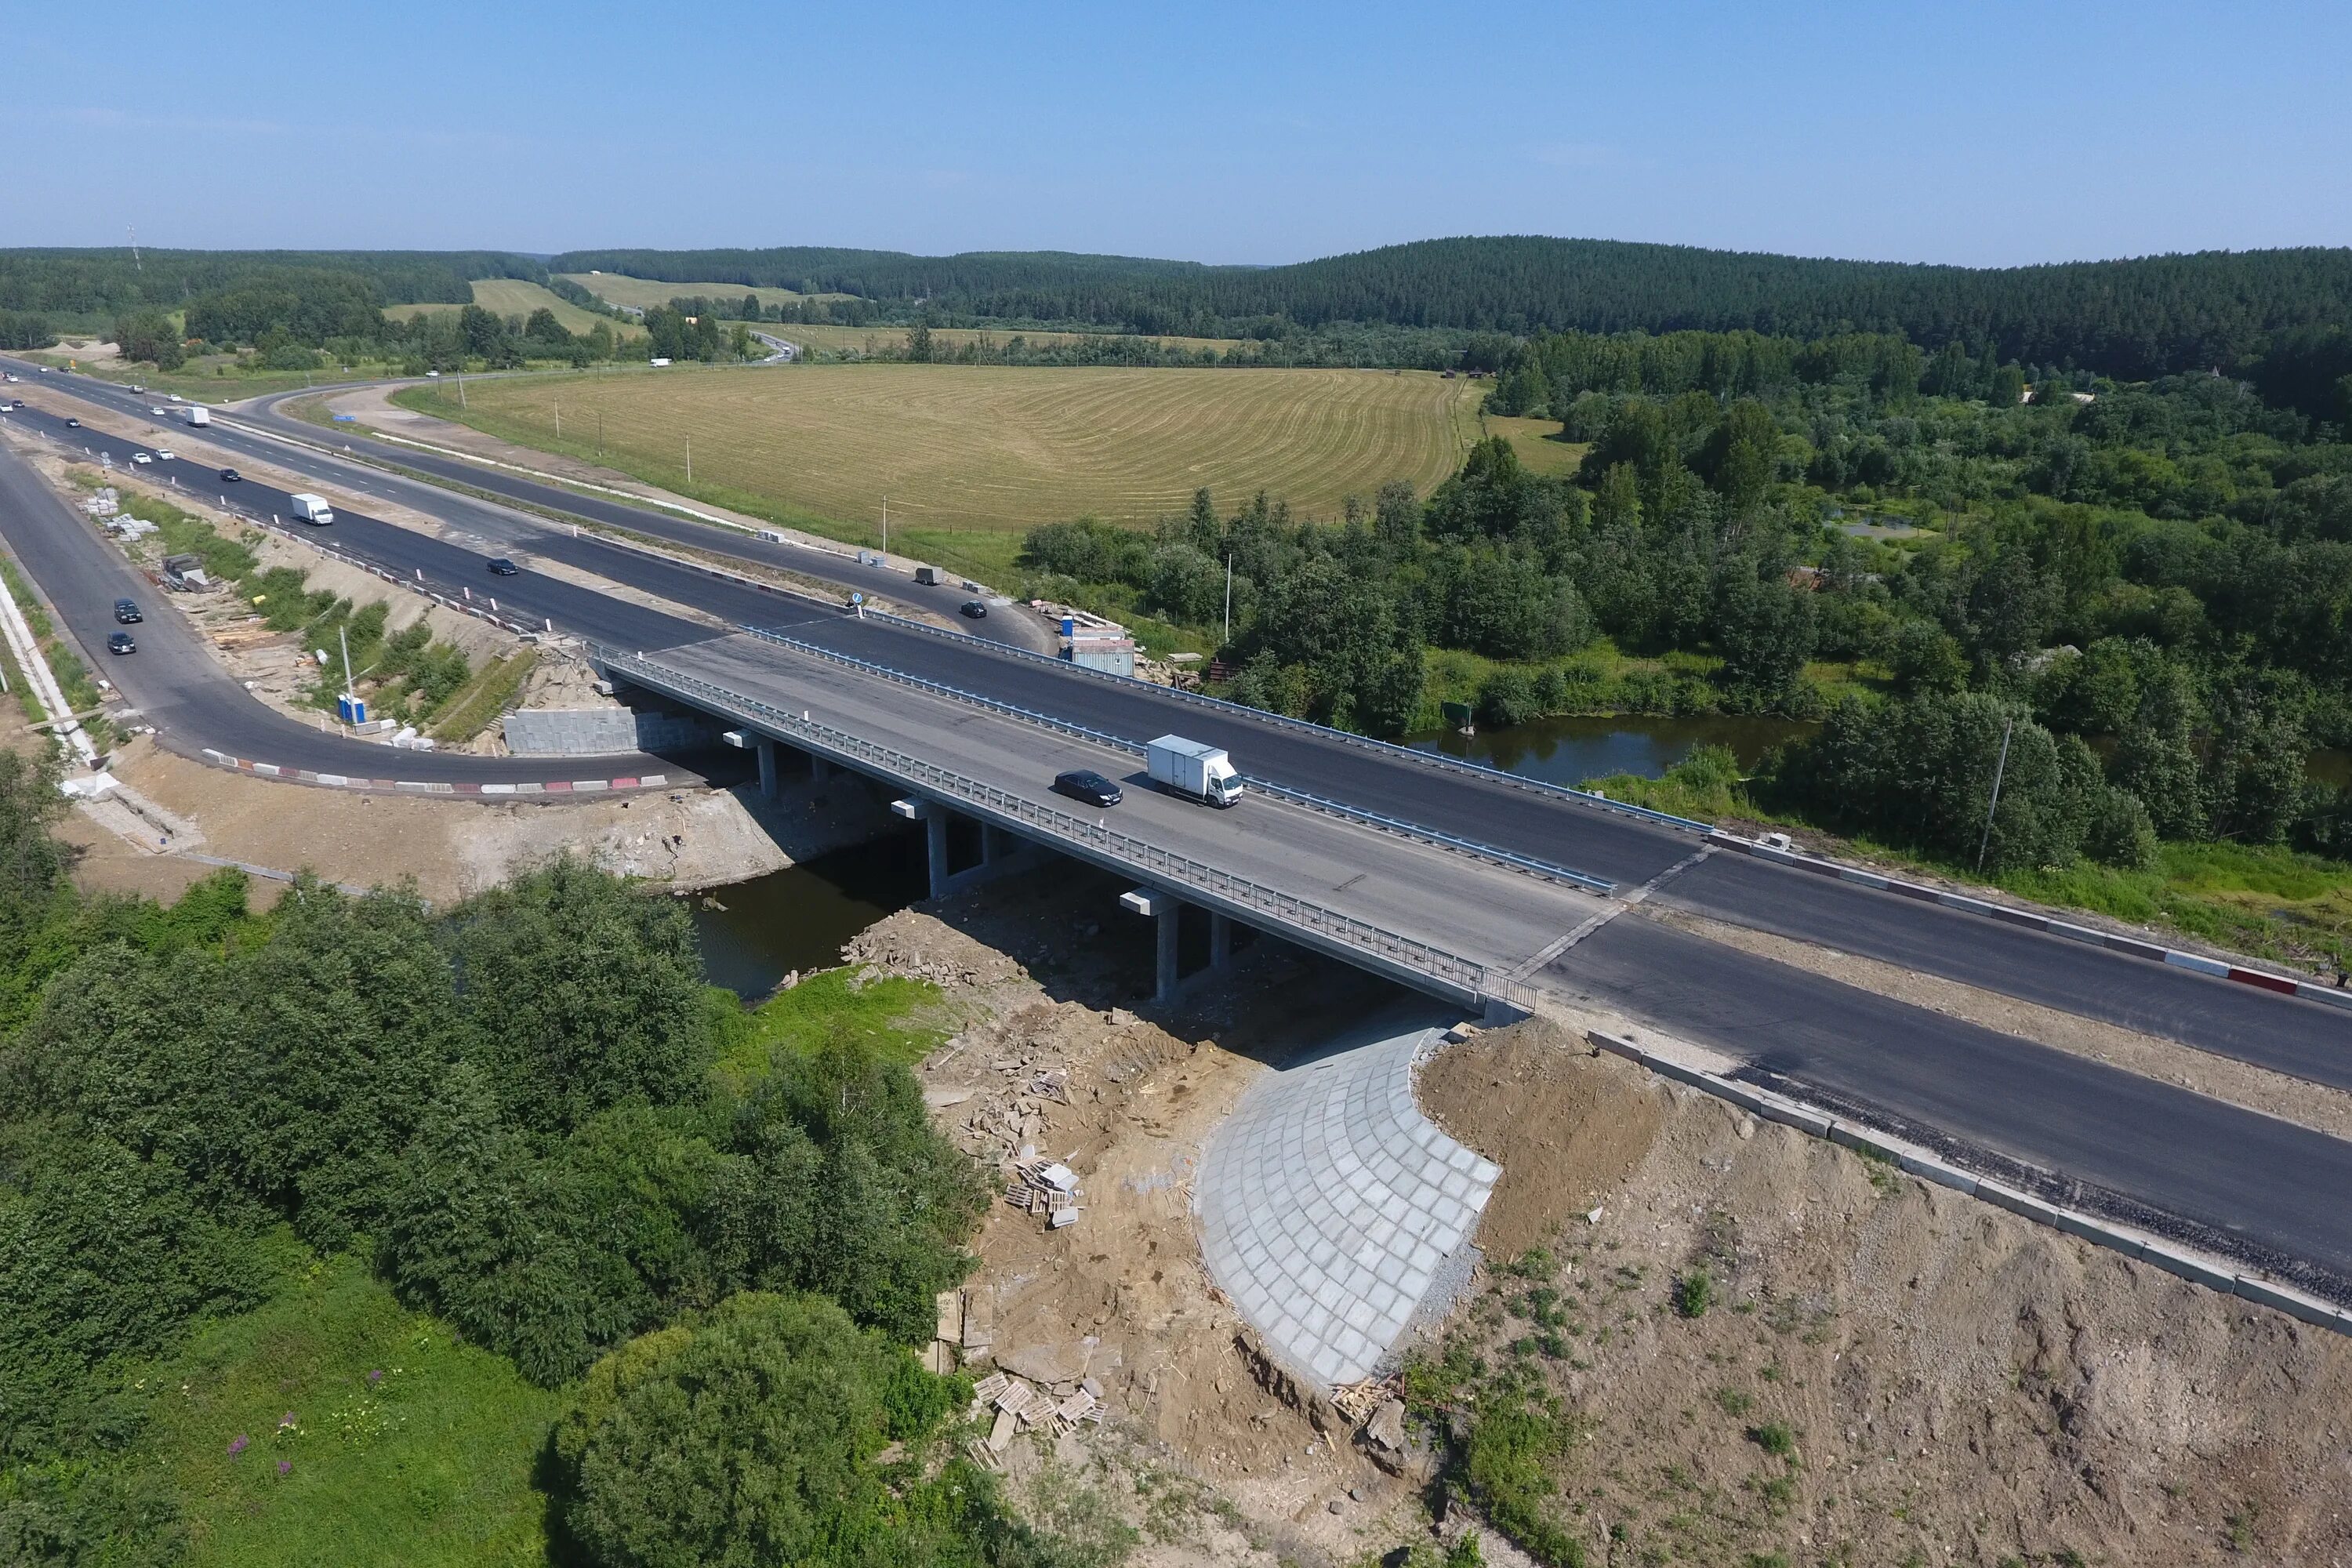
x: 2271, y: 1186
x: 1021, y: 630
x: 2287, y: 1034
x: 2291, y: 1035
x: 188, y: 695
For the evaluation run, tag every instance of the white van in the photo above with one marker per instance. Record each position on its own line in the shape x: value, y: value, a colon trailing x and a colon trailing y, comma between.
x: 313, y: 509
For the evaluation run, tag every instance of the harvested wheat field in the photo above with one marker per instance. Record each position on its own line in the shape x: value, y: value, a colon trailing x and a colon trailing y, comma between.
x: 997, y: 448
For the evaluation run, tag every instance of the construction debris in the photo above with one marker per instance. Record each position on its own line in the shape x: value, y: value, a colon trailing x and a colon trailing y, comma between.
x: 1020, y: 1404
x: 1049, y: 1189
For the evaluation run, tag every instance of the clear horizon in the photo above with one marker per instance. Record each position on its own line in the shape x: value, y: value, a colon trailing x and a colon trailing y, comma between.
x: 2004, y: 136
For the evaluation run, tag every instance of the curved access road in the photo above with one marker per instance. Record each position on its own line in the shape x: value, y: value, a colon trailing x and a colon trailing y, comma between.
x: 194, y: 703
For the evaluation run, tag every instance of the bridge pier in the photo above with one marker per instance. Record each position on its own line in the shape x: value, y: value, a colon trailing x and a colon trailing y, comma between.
x: 767, y: 754
x: 1166, y: 912
x: 1221, y: 941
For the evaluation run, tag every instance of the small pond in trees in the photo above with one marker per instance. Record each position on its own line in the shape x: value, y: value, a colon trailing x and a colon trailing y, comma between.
x: 1573, y: 748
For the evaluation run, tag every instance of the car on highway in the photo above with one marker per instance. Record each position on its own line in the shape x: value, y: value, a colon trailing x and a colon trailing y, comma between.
x: 158, y: 413
x: 176, y: 398
x: 1085, y: 785
x: 126, y: 611
x: 73, y: 424
x: 974, y: 609
x: 136, y: 387
x: 121, y: 642
x: 142, y: 458
x: 503, y: 567
x: 165, y: 455
x: 231, y: 476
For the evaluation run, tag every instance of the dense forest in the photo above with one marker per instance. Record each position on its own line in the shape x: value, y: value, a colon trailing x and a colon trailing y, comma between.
x: 2149, y: 584
x: 527, y: 1116
x: 2134, y: 318
x: 109, y: 282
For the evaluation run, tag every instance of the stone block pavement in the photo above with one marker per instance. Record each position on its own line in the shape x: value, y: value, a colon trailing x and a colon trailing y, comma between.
x: 1328, y: 1203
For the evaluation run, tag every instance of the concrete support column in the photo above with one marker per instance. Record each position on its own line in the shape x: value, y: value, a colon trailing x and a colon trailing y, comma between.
x: 1221, y: 941
x: 1166, y: 918
x: 820, y: 770
x: 935, y: 835
x: 766, y: 751
x: 995, y: 844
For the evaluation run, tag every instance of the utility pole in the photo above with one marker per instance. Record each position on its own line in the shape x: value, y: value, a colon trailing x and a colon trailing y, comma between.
x: 1999, y: 768
x: 136, y: 264
x: 343, y: 636
x: 1229, y: 598
x: 886, y: 525
x: 689, y: 459
x: 558, y: 420
x: 599, y: 429
x: 461, y: 389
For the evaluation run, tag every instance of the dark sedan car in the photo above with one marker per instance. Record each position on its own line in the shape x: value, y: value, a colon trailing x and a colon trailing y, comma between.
x: 231, y: 475
x: 503, y: 567
x: 121, y: 642
x: 126, y: 611
x: 976, y: 609
x: 1085, y: 785
x: 73, y: 424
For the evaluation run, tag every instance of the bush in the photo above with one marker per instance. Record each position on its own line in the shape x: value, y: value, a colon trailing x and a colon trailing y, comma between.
x: 1694, y: 1292
x: 1508, y: 697
x: 750, y: 1437
x: 1774, y: 1438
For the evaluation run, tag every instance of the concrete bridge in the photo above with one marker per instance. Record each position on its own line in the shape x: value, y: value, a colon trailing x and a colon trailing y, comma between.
x: 1448, y: 917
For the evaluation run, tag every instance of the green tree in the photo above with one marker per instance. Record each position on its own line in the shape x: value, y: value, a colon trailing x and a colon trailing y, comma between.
x: 748, y: 1438
x: 581, y: 995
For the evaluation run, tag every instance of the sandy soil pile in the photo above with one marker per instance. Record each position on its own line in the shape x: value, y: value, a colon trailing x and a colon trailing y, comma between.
x: 1955, y: 1384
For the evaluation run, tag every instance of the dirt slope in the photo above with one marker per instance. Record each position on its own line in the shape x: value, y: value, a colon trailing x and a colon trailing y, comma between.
x: 1960, y: 1385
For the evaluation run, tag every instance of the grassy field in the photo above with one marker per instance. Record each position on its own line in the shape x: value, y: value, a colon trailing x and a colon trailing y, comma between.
x: 645, y: 293
x: 982, y: 448
x: 513, y: 297
x: 1538, y: 444
x: 428, y: 1462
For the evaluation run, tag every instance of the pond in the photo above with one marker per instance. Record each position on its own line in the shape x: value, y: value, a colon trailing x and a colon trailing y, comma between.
x: 754, y: 933
x: 1572, y: 749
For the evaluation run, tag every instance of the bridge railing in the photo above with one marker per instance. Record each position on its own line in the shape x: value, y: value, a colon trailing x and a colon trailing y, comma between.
x: 1341, y: 809
x: 1177, y: 870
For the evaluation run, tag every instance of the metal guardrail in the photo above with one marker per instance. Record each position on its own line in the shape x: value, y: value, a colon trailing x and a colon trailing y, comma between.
x: 1389, y: 825
x: 1426, y: 759
x: 1180, y: 872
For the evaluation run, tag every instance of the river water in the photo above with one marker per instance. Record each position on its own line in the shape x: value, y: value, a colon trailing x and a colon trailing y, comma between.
x: 754, y: 933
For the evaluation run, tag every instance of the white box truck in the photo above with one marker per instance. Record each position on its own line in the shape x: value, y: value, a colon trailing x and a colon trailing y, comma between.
x: 198, y: 414
x: 1189, y: 768
x: 313, y: 508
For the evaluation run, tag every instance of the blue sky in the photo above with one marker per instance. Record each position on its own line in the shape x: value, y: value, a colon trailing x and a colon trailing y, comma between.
x: 1983, y: 133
